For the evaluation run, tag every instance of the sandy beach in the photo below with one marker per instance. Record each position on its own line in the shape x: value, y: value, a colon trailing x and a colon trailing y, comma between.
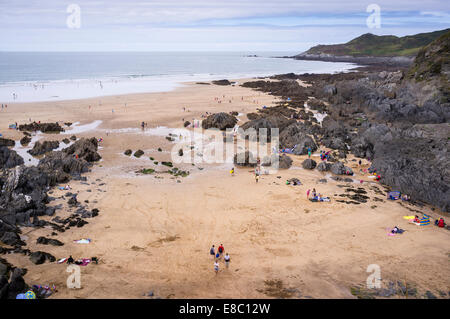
x: 154, y: 232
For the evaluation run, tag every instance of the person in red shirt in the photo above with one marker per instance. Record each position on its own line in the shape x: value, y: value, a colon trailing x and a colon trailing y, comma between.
x: 441, y: 223
x: 221, y: 249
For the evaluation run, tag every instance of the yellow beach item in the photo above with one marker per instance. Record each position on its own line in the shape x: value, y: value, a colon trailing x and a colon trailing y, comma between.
x: 409, y: 217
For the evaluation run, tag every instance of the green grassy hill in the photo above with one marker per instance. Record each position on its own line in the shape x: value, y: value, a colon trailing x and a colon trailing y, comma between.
x: 381, y: 46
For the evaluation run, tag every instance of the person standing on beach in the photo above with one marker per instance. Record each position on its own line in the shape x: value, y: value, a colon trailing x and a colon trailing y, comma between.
x: 309, y: 152
x: 227, y: 260
x: 307, y: 193
x: 221, y: 250
x: 216, y: 267
x: 212, y: 251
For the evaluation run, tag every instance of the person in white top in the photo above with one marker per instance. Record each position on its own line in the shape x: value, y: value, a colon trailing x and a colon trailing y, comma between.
x: 227, y: 260
x: 216, y: 267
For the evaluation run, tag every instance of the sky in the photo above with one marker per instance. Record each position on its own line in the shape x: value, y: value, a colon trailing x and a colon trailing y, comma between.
x: 208, y: 25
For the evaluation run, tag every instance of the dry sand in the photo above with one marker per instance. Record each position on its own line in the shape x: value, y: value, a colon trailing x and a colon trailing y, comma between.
x: 154, y: 234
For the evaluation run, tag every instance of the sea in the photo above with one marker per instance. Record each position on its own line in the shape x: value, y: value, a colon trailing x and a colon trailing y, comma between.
x: 54, y: 76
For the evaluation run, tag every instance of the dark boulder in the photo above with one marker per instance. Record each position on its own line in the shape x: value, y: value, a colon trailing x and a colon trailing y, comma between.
x: 128, y: 152
x: 138, y: 153
x: 221, y: 121
x: 84, y: 149
x: 309, y: 164
x: 40, y: 257
x: 25, y: 140
x: 12, y: 239
x: 9, y: 158
x: 6, y: 142
x: 49, y: 241
x: 221, y: 82
x: 323, y: 166
x: 73, y: 201
x: 339, y: 168
x: 283, y: 161
x: 17, y: 284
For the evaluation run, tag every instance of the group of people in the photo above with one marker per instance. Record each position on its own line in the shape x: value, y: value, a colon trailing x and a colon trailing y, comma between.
x: 438, y: 222
x: 257, y: 169
x: 316, y: 197
x: 4, y: 106
x: 324, y: 156
x: 218, y: 256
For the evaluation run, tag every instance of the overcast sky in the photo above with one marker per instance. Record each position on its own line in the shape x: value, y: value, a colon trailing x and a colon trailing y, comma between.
x: 206, y: 25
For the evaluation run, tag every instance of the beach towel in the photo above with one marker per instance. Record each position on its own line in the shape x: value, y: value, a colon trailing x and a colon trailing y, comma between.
x: 85, y: 262
x: 394, y: 195
x: 390, y: 233
x: 82, y: 241
x: 425, y: 220
x: 62, y: 260
x: 409, y: 217
x: 12, y: 126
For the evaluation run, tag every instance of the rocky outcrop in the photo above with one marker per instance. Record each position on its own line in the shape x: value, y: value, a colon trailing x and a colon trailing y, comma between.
x: 9, y: 158
x: 44, y: 147
x: 16, y: 285
x: 295, y: 136
x: 270, y: 122
x: 419, y: 167
x: 221, y: 121
x: 43, y: 127
x: 85, y: 149
x: 221, y: 82
x: 6, y: 142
